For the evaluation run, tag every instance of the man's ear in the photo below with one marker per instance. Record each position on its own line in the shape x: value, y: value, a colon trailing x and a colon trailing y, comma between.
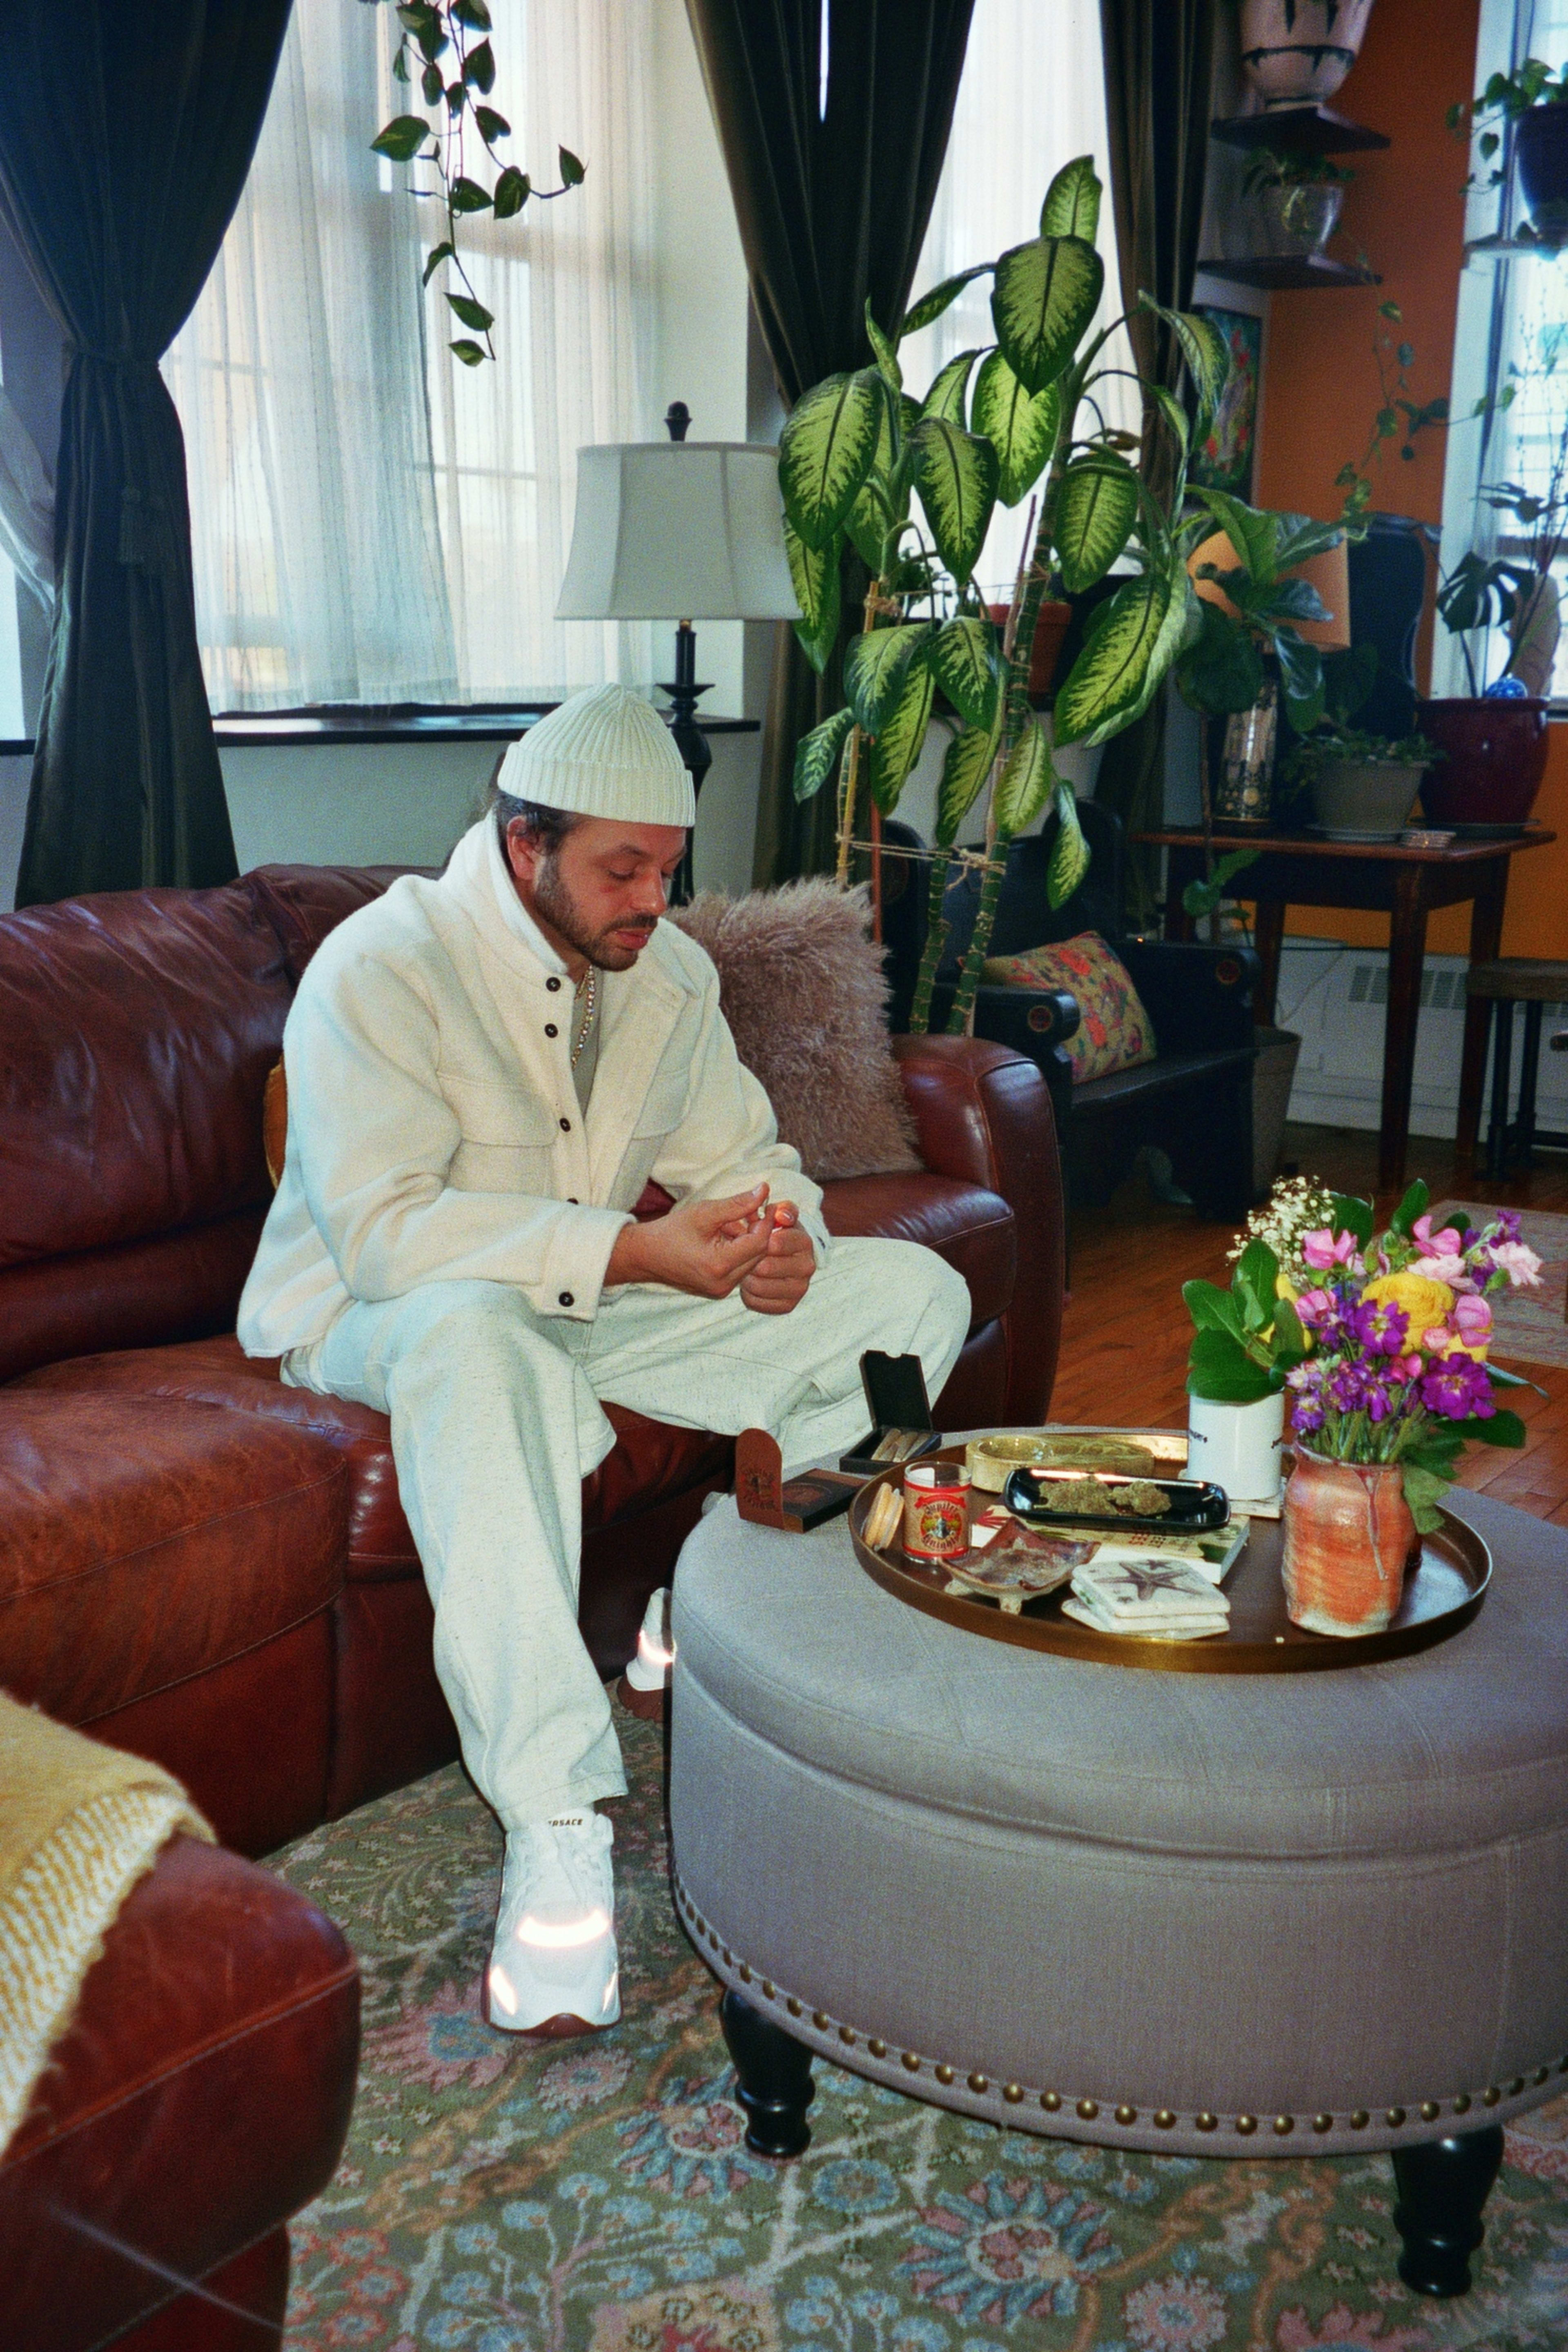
x: 524, y: 852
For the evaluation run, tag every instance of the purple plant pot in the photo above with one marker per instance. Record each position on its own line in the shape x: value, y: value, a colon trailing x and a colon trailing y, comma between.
x: 1494, y: 758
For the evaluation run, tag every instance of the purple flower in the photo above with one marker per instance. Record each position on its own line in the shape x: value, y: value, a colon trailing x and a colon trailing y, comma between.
x: 1457, y: 1387
x: 1381, y: 1327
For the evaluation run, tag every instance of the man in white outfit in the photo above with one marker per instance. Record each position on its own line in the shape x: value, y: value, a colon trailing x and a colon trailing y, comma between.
x: 483, y: 1074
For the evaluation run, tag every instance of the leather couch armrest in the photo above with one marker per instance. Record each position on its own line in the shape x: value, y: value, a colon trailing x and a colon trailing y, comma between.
x: 982, y: 1116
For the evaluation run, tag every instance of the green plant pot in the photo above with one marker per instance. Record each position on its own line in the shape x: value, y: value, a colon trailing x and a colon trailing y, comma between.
x: 1367, y: 799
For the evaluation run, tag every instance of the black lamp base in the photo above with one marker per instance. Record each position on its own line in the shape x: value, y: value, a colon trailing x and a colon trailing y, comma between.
x: 690, y: 742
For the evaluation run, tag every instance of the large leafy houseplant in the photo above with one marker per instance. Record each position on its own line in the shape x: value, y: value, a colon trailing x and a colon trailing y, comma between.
x: 858, y: 452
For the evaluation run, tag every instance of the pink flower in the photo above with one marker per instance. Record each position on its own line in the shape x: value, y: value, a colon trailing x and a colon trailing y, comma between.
x: 1324, y: 1249
x: 1450, y: 1242
x: 1312, y: 1304
x: 1444, y: 1265
x: 1520, y: 1265
x: 1472, y: 1319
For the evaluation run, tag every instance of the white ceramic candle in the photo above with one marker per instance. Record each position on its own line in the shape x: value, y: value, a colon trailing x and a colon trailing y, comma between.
x: 1237, y: 1446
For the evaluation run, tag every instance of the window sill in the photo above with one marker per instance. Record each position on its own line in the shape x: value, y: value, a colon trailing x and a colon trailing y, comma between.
x: 401, y: 723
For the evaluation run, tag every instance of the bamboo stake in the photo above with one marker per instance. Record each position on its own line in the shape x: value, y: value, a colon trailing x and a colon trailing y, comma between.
x: 873, y: 605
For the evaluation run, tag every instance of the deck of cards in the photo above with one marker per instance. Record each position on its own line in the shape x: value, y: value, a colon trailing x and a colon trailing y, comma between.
x: 1157, y: 1600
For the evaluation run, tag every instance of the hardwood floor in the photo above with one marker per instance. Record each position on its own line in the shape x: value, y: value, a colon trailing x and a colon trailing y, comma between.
x: 1125, y: 1332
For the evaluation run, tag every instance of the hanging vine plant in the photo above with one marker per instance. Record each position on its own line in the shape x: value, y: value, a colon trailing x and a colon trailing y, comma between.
x: 446, y: 48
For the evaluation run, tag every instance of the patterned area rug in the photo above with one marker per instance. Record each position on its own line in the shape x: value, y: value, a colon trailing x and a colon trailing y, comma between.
x: 495, y: 2199
x: 1529, y: 1325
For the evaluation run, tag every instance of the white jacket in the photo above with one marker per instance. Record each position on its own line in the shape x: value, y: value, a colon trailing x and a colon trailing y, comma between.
x: 434, y: 1129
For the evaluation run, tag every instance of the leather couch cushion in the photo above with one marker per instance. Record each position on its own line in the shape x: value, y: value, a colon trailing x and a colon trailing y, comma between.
x: 139, y: 1028
x: 651, y: 1460
x: 972, y: 1229
x: 144, y: 1541
x: 200, y: 2097
x: 303, y: 903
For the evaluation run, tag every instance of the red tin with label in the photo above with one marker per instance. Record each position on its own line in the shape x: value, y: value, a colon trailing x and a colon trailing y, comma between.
x: 936, y: 1511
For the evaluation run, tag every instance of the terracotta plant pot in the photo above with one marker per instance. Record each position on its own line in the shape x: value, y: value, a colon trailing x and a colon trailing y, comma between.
x: 1495, y: 756
x: 1051, y: 625
x: 1348, y: 1537
x: 1296, y: 52
x: 1541, y: 168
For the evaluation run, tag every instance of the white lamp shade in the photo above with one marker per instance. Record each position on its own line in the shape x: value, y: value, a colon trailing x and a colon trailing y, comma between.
x: 677, y: 531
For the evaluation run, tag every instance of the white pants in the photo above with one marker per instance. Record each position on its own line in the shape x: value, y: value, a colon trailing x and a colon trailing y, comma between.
x: 496, y: 1422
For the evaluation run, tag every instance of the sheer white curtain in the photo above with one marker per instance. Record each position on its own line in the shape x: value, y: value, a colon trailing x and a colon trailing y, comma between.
x: 371, y: 520
x: 1031, y: 98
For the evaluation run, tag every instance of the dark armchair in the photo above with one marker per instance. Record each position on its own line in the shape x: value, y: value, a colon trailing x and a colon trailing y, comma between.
x: 1193, y: 1102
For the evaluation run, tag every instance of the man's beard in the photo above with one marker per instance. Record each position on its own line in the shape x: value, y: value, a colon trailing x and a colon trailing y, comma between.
x: 553, y: 900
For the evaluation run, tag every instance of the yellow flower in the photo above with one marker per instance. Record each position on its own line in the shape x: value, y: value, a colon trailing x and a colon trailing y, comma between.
x: 1426, y: 1302
x: 1282, y: 1289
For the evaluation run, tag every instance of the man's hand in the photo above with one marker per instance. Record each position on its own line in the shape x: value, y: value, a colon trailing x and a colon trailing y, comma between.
x: 704, y: 1247
x: 778, y: 1280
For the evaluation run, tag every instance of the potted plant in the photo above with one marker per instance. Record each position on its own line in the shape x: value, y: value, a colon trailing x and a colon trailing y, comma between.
x: 1299, y: 197
x: 1360, y: 785
x: 1247, y: 1339
x: 1530, y: 105
x: 858, y: 451
x: 1297, y: 52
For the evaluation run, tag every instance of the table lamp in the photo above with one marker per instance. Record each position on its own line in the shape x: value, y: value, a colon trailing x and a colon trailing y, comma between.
x: 678, y: 530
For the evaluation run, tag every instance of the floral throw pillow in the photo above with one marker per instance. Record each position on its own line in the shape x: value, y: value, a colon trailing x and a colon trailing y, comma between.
x: 1113, y: 1032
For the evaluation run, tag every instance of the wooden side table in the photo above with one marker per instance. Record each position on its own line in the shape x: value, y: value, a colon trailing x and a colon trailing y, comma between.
x: 1295, y: 869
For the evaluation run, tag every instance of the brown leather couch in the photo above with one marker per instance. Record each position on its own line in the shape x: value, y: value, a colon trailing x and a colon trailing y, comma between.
x: 210, y: 1568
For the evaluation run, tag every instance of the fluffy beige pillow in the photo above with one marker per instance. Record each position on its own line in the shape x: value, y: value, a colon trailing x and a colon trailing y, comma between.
x: 803, y: 989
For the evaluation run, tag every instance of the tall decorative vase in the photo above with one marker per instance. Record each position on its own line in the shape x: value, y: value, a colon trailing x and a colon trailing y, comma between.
x: 1297, y: 52
x: 1349, y: 1536
x: 1244, y: 794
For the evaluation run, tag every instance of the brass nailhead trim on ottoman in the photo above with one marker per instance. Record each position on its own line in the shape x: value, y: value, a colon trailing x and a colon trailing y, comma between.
x: 979, y: 2083
x: 1013, y: 2093
x: 821, y: 2020
x: 1462, y: 2104
x: 1125, y: 2114
x: 1515, y: 2087
x: 911, y: 2062
x: 794, y: 2006
x: 1284, y: 2123
x: 1360, y: 2119
x: 944, y: 2075
x: 1165, y: 2118
x: 1489, y: 2097
x: 745, y: 1972
x: 1322, y: 2123
x: 877, y: 2049
x: 1394, y: 2117
x: 1051, y: 2101
x: 1205, y: 2122
x: 770, y: 1990
x: 1088, y: 2109
x: 1246, y: 2124
x: 845, y: 2035
x: 1430, y: 2111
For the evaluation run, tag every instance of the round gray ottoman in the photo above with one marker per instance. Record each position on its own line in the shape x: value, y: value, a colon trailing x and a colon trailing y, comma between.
x: 1196, y: 1913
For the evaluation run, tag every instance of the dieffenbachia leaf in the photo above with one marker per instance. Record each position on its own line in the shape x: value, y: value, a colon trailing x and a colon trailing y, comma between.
x: 1108, y: 677
x: 1044, y: 295
x: 956, y: 475
x: 1025, y: 782
x: 930, y: 306
x: 1096, y: 508
x: 946, y: 397
x: 826, y: 451
x: 816, y: 754
x: 876, y: 666
x: 898, y: 747
x: 814, y: 572
x: 1301, y: 679
x: 1069, y: 856
x: 1072, y: 201
x: 887, y: 357
x: 966, y: 664
x: 964, y: 772
x: 1020, y: 425
x: 1204, y: 351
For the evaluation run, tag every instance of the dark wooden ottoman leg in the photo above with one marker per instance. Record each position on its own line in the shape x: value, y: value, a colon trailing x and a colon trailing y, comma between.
x: 775, y: 2077
x: 1443, y: 2185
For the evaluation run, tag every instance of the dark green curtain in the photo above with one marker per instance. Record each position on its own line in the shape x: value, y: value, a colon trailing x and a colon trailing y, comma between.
x: 125, y: 136
x: 832, y: 208
x: 1158, y: 62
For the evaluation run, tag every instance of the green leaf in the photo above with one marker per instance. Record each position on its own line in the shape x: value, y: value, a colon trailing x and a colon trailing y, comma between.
x: 471, y: 355
x: 876, y: 666
x: 1211, y: 1308
x: 1252, y: 531
x: 1301, y: 679
x: 1424, y: 1490
x: 1415, y: 1203
x: 956, y: 475
x: 1204, y: 350
x: 947, y: 394
x: 468, y: 196
x: 1300, y: 537
x: 1020, y: 425
x: 456, y: 98
x: 898, y: 747
x: 1257, y: 1272
x: 1223, y: 671
x: 402, y: 139
x: 1044, y: 295
x: 438, y: 254
x: 967, y: 665
x: 479, y: 69
x: 1219, y: 1368
x: 1183, y: 621
x: 941, y: 298
x: 826, y: 451
x: 1025, y: 782
x: 572, y: 171
x: 472, y: 314
x: 816, y: 754
x: 969, y: 761
x: 472, y: 13
x: 1290, y: 1343
x: 513, y: 189
x: 432, y: 85
x: 815, y: 572
x: 1202, y: 898
x: 400, y: 62
x: 491, y: 125
x: 1174, y: 414
x: 1096, y: 506
x: 1348, y: 1213
x: 1072, y: 201
x: 1070, y: 855
x: 886, y: 357
x: 1108, y: 675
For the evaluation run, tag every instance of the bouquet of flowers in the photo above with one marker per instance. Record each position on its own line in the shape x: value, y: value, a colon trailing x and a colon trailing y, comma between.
x: 1396, y: 1328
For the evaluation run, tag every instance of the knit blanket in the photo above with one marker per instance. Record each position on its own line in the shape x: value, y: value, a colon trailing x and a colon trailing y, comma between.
x: 79, y: 1824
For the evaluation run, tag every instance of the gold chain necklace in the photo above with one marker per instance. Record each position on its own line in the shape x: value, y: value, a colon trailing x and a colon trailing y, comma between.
x: 590, y: 995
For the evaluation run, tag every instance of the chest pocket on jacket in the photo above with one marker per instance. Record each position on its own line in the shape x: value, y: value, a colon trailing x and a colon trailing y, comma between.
x: 500, y: 1117
x: 666, y: 1104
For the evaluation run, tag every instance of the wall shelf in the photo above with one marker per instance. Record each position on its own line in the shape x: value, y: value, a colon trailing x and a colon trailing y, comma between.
x: 1297, y: 131
x: 1289, y: 273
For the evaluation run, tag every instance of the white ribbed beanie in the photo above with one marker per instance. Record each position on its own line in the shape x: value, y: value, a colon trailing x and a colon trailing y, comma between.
x: 605, y: 753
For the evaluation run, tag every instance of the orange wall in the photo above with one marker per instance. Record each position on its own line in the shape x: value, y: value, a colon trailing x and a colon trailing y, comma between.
x: 1405, y: 210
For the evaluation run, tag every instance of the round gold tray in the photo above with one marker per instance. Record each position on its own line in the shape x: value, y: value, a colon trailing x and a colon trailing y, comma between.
x: 1442, y: 1592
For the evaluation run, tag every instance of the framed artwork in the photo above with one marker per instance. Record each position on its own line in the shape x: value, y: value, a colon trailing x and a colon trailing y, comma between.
x: 1224, y: 459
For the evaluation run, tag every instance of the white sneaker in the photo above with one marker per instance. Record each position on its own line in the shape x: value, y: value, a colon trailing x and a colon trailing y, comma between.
x: 554, y: 1967
x: 642, y: 1687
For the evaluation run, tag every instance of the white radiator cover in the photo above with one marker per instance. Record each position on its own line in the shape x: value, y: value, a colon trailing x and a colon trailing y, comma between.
x: 1336, y: 997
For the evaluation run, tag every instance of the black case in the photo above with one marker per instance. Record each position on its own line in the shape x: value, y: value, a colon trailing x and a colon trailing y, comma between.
x: 896, y: 1395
